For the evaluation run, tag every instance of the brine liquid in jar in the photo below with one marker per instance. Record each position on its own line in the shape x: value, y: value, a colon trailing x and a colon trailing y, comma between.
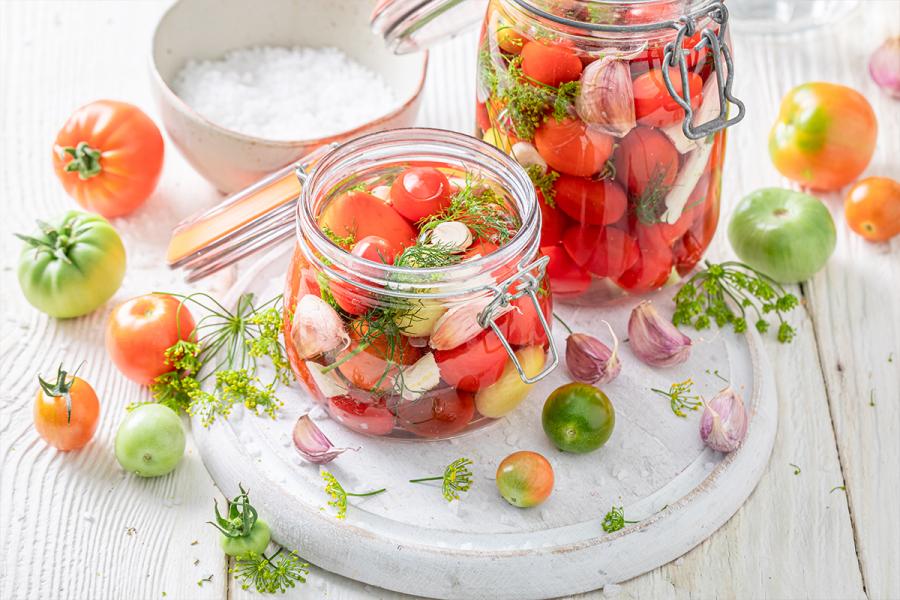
x: 628, y: 201
x: 391, y: 290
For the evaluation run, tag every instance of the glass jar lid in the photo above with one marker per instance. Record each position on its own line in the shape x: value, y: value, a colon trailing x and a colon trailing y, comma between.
x: 412, y: 25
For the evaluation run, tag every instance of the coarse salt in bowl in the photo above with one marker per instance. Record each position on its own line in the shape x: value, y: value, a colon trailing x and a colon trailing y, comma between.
x: 247, y: 88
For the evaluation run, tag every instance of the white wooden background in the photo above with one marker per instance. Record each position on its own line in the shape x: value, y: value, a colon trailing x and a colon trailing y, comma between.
x: 74, y: 526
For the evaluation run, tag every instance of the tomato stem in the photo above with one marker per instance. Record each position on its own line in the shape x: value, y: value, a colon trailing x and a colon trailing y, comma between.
x: 85, y: 160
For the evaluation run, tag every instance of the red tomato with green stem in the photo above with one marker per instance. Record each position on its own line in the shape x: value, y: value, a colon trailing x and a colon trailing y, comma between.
x: 566, y: 278
x: 371, y: 417
x: 603, y: 251
x: 139, y: 332
x: 571, y: 147
x: 590, y: 201
x: 474, y: 365
x: 66, y: 411
x: 437, y: 414
x: 550, y: 63
x: 654, y: 106
x: 419, y: 192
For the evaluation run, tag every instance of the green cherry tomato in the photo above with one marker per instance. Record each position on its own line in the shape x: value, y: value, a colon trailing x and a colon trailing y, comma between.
x: 256, y: 541
x: 150, y: 440
x: 784, y: 234
x: 525, y: 479
x: 578, y: 418
x: 72, y: 265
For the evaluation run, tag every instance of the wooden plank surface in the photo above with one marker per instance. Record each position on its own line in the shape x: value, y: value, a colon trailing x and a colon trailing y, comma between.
x: 65, y: 518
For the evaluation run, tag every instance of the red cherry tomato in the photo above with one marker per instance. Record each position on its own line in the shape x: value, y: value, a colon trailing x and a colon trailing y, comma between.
x: 419, y: 192
x: 376, y: 249
x: 479, y: 248
x: 375, y: 367
x: 589, y: 201
x: 566, y: 278
x: 363, y: 417
x: 604, y: 251
x: 550, y: 63
x: 474, y: 365
x: 646, y: 162
x: 571, y: 147
x: 553, y: 222
x: 438, y: 415
x: 650, y: 271
x: 360, y: 214
x: 654, y: 106
x: 687, y: 252
x: 522, y: 326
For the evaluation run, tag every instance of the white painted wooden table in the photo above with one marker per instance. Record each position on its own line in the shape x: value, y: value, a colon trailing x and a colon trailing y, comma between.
x: 74, y: 526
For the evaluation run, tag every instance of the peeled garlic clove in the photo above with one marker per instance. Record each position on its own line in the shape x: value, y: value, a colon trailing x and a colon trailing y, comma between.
x: 526, y: 155
x: 317, y: 328
x: 312, y: 444
x: 382, y: 192
x: 460, y: 324
x: 655, y: 340
x: 723, y: 424
x: 591, y: 361
x: 420, y: 377
x: 452, y: 234
x: 606, y: 97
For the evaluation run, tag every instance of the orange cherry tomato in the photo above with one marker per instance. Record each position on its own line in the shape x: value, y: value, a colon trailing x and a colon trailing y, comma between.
x: 525, y: 479
x: 654, y: 106
x: 375, y: 366
x: 66, y: 412
x: 550, y: 63
x: 437, y: 414
x: 139, y: 332
x: 474, y: 365
x: 108, y: 156
x: 824, y: 135
x: 589, y: 201
x: 566, y: 277
x: 573, y: 148
x: 872, y: 208
x: 360, y: 214
x: 646, y: 162
x: 419, y: 192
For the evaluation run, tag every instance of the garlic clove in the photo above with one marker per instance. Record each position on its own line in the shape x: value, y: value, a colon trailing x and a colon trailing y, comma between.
x: 526, y: 155
x: 591, y: 361
x: 460, y: 324
x: 655, y: 340
x: 382, y: 192
x: 420, y: 377
x: 606, y: 97
x: 312, y: 444
x: 724, y: 422
x: 329, y: 384
x: 317, y: 328
x: 452, y: 234
x: 884, y: 66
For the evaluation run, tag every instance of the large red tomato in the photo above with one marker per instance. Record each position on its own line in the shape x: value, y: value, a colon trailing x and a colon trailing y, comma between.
x: 371, y: 417
x: 646, y: 162
x: 437, y: 414
x: 550, y: 63
x: 604, y: 251
x: 419, y: 192
x: 654, y: 106
x: 360, y: 214
x: 573, y: 148
x: 589, y: 201
x: 474, y: 365
x: 566, y: 277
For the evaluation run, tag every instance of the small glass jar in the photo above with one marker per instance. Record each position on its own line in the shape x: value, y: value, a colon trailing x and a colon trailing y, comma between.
x: 618, y: 111
x: 417, y: 353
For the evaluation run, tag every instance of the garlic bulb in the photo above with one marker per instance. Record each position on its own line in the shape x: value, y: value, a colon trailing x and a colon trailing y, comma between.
x: 606, y: 97
x: 591, y: 361
x: 655, y: 340
x: 723, y: 424
x: 317, y: 328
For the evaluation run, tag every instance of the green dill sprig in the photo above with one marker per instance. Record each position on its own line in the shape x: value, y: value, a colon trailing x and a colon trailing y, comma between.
x: 456, y: 478
x: 270, y: 574
x: 339, y: 496
x: 422, y: 255
x: 543, y: 180
x: 615, y: 520
x: 680, y: 397
x: 723, y: 292
x: 479, y: 208
x: 651, y: 203
x: 346, y: 242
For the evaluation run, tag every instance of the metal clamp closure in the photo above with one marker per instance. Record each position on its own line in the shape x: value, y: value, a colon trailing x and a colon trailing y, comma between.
x: 526, y: 281
x: 675, y: 57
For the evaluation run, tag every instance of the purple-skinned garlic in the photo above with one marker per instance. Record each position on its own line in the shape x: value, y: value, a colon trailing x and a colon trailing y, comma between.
x: 312, y: 444
x: 723, y: 424
x: 655, y: 340
x: 591, y: 361
x: 317, y: 328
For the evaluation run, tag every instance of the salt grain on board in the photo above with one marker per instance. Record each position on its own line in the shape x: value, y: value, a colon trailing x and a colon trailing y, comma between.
x: 279, y: 93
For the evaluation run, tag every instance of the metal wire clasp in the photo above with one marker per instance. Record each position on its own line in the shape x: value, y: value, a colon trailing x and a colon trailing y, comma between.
x: 675, y: 57
x: 526, y: 281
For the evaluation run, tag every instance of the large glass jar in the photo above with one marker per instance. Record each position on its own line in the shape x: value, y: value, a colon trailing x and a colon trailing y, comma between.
x: 391, y: 347
x: 616, y: 108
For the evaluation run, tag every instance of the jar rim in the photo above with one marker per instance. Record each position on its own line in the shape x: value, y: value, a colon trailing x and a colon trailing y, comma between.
x: 400, y: 281
x: 694, y: 9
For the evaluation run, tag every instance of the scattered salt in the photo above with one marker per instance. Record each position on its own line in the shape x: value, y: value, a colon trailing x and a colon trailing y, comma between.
x: 281, y: 93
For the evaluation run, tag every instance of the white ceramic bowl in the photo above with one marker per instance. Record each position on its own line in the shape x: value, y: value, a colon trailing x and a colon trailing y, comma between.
x: 207, y: 29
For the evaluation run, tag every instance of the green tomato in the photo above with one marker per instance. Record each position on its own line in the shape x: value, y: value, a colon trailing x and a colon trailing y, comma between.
x: 578, y: 417
x: 73, y: 265
x: 781, y: 233
x: 150, y: 440
x: 256, y: 541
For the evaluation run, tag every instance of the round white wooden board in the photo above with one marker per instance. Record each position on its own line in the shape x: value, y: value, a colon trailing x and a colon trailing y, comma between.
x: 411, y: 540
